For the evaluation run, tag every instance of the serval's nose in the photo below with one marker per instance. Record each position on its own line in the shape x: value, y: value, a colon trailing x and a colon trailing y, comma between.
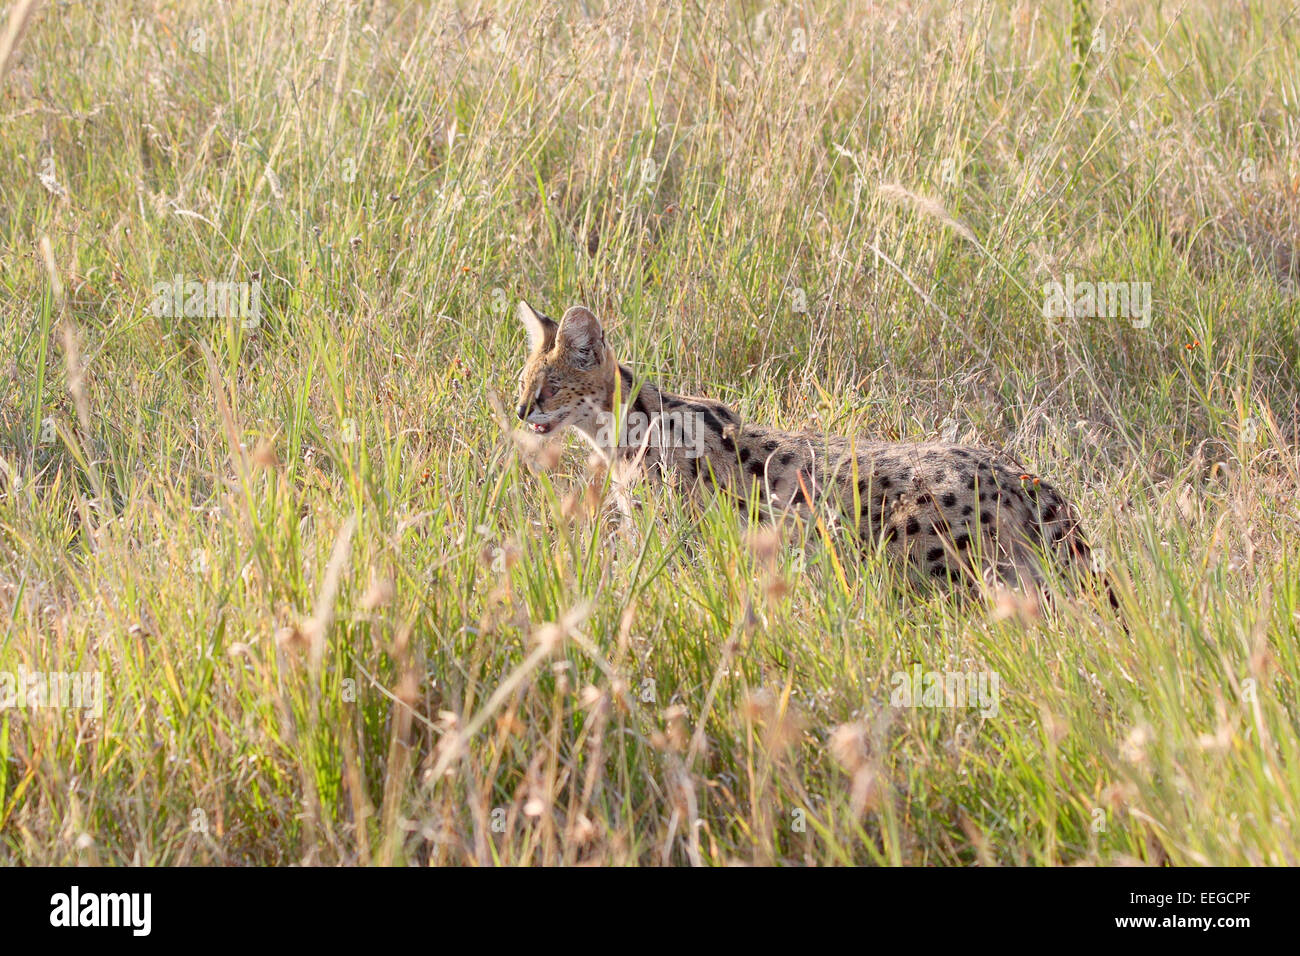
x: 522, y: 411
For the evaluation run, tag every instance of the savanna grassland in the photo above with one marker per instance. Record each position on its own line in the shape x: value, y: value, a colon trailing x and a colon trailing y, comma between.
x: 345, y: 613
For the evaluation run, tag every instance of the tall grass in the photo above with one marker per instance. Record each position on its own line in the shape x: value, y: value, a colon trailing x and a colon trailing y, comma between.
x: 345, y: 615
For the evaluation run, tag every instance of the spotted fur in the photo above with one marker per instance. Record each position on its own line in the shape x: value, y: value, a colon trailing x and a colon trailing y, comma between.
x: 947, y: 510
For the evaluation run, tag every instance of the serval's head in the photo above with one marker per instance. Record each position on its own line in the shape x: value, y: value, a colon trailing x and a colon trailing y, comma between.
x: 568, y: 379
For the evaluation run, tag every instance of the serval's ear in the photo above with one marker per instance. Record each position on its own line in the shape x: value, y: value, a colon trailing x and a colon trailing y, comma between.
x: 541, y: 330
x: 580, y: 334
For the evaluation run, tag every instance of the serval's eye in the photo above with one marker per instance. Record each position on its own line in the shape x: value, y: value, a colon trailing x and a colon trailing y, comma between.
x: 546, y: 392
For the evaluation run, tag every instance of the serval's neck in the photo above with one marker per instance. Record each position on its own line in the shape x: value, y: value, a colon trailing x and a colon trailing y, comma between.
x: 645, y: 398
x: 656, y: 428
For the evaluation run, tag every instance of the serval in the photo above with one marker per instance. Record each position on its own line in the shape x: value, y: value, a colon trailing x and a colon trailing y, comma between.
x: 950, y: 512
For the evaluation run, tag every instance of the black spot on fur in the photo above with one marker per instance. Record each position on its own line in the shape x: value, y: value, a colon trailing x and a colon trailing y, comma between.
x: 639, y: 407
x: 949, y: 500
x: 933, y: 555
x: 965, y: 511
x: 913, y: 526
x: 961, y: 542
x: 710, y: 420
x: 756, y: 468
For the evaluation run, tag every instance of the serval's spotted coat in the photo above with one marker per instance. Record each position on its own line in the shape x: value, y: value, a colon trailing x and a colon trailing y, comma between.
x: 949, y: 510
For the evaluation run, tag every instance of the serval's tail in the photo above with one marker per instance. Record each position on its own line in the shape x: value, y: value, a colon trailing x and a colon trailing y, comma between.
x: 1066, y: 541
